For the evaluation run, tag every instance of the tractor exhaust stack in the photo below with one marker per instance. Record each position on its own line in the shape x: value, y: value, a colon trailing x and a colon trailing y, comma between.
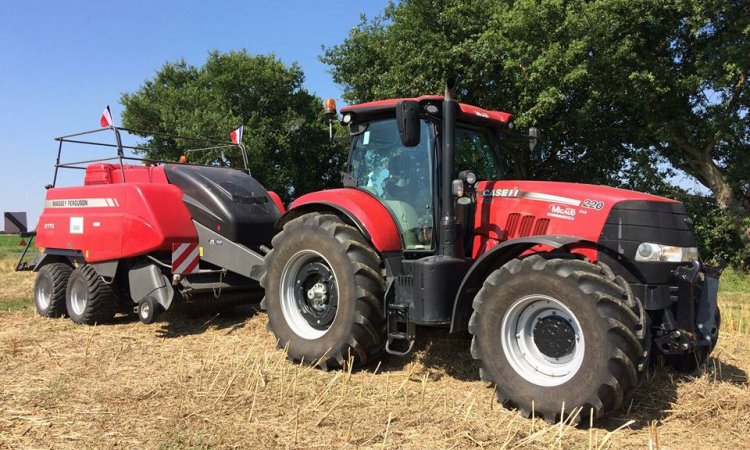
x: 447, y: 242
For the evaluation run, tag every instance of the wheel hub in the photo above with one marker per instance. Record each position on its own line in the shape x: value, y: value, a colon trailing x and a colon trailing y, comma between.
x: 318, y: 295
x: 78, y: 297
x: 554, y: 336
x: 542, y: 340
x: 309, y: 294
x: 44, y: 293
x: 145, y: 309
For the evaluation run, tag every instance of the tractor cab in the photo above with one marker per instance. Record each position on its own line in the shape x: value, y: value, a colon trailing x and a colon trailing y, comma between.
x: 405, y: 178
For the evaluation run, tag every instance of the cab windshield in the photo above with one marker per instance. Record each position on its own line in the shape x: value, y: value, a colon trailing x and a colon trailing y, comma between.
x: 476, y: 150
x: 401, y: 177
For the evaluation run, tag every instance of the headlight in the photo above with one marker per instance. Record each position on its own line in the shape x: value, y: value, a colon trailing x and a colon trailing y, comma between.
x: 458, y: 188
x: 665, y: 253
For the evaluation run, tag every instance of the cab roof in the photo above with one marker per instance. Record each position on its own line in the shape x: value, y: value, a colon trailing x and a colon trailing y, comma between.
x: 469, y: 113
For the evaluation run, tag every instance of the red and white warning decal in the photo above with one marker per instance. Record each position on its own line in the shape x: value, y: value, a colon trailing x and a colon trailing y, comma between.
x: 82, y: 203
x: 185, y: 258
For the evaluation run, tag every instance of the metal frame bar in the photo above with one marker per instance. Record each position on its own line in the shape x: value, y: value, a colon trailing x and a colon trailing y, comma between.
x: 120, y: 155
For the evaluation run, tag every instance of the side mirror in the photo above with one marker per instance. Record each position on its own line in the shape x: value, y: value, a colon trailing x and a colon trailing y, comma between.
x: 534, y: 148
x: 407, y: 117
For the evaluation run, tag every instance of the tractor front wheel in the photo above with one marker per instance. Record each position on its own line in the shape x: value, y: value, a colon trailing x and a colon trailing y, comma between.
x: 557, y: 337
x: 324, y: 293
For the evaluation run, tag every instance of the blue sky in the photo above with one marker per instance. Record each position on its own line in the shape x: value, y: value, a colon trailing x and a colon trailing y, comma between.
x: 62, y: 62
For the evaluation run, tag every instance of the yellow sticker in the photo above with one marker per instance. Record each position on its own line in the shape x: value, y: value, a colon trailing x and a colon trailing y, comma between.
x: 200, y: 251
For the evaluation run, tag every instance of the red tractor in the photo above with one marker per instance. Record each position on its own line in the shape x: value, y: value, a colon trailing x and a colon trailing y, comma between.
x: 567, y: 289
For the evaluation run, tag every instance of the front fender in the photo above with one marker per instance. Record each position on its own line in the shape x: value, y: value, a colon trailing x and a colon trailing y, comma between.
x: 495, y: 258
x: 363, y: 210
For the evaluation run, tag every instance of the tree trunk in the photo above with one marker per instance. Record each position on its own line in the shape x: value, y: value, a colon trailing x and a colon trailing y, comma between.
x: 701, y: 165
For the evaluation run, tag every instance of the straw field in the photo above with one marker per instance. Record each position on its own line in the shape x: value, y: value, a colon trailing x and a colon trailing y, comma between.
x: 218, y: 381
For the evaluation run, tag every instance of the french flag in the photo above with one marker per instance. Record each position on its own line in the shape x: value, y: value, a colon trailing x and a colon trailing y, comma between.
x: 236, y: 135
x: 106, y: 119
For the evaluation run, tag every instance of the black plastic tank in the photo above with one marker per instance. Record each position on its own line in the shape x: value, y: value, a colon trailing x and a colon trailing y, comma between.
x: 227, y: 201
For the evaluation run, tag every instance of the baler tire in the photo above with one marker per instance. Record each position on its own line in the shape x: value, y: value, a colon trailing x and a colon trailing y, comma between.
x: 322, y: 249
x: 88, y: 298
x: 598, y: 368
x: 148, y: 310
x: 49, y: 289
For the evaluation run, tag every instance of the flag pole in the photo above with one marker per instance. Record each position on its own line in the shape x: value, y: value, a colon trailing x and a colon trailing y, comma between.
x: 245, y: 160
x: 120, y: 152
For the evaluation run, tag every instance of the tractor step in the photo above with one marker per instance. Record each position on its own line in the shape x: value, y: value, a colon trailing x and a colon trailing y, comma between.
x: 401, y: 330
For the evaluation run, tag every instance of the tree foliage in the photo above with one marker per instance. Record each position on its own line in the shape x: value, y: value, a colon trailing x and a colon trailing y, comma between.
x: 616, y: 85
x: 285, y: 133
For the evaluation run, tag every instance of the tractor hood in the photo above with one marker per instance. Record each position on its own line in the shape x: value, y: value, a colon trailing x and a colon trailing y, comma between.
x: 511, y: 209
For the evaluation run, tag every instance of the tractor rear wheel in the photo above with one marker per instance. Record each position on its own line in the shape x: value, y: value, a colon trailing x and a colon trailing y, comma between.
x: 324, y: 293
x: 49, y: 289
x: 89, y: 299
x: 557, y: 336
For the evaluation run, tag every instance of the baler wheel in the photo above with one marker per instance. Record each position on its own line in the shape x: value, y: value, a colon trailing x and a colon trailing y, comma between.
x: 88, y: 298
x: 557, y: 337
x: 324, y: 293
x: 148, y: 309
x: 49, y: 289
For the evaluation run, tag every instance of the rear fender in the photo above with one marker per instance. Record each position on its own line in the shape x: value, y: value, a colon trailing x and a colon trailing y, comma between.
x: 357, y: 207
x: 69, y: 257
x: 496, y: 258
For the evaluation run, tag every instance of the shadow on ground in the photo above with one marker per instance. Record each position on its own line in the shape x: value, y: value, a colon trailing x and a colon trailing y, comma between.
x: 184, y: 321
x: 443, y: 354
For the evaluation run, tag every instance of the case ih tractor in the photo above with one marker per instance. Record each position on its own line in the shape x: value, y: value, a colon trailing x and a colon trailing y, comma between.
x: 568, y: 290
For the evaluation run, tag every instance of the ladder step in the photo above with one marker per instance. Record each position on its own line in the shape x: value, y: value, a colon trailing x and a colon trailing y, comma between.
x: 398, y: 307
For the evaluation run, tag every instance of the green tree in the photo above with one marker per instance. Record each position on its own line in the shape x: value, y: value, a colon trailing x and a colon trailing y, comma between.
x: 613, y: 83
x: 285, y: 133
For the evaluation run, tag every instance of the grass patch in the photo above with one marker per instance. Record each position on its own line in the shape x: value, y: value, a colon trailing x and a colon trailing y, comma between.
x: 15, y: 304
x: 16, y: 288
x: 734, y: 281
x: 10, y: 248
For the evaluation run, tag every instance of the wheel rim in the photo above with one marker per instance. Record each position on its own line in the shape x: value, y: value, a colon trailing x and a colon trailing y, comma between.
x: 542, y: 340
x: 78, y: 297
x: 309, y: 294
x: 43, y: 293
x: 145, y: 310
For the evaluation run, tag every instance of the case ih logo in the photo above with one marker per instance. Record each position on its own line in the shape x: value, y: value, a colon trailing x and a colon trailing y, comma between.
x: 500, y: 192
x: 562, y: 212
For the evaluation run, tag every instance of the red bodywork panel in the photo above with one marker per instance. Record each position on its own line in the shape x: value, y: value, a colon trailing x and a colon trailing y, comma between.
x: 368, y: 211
x: 277, y: 200
x: 512, y: 209
x: 469, y: 112
x: 107, y: 219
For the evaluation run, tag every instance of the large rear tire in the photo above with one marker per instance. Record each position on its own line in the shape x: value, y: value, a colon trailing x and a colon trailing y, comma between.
x: 89, y: 299
x: 558, y: 336
x: 49, y: 289
x: 324, y: 293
